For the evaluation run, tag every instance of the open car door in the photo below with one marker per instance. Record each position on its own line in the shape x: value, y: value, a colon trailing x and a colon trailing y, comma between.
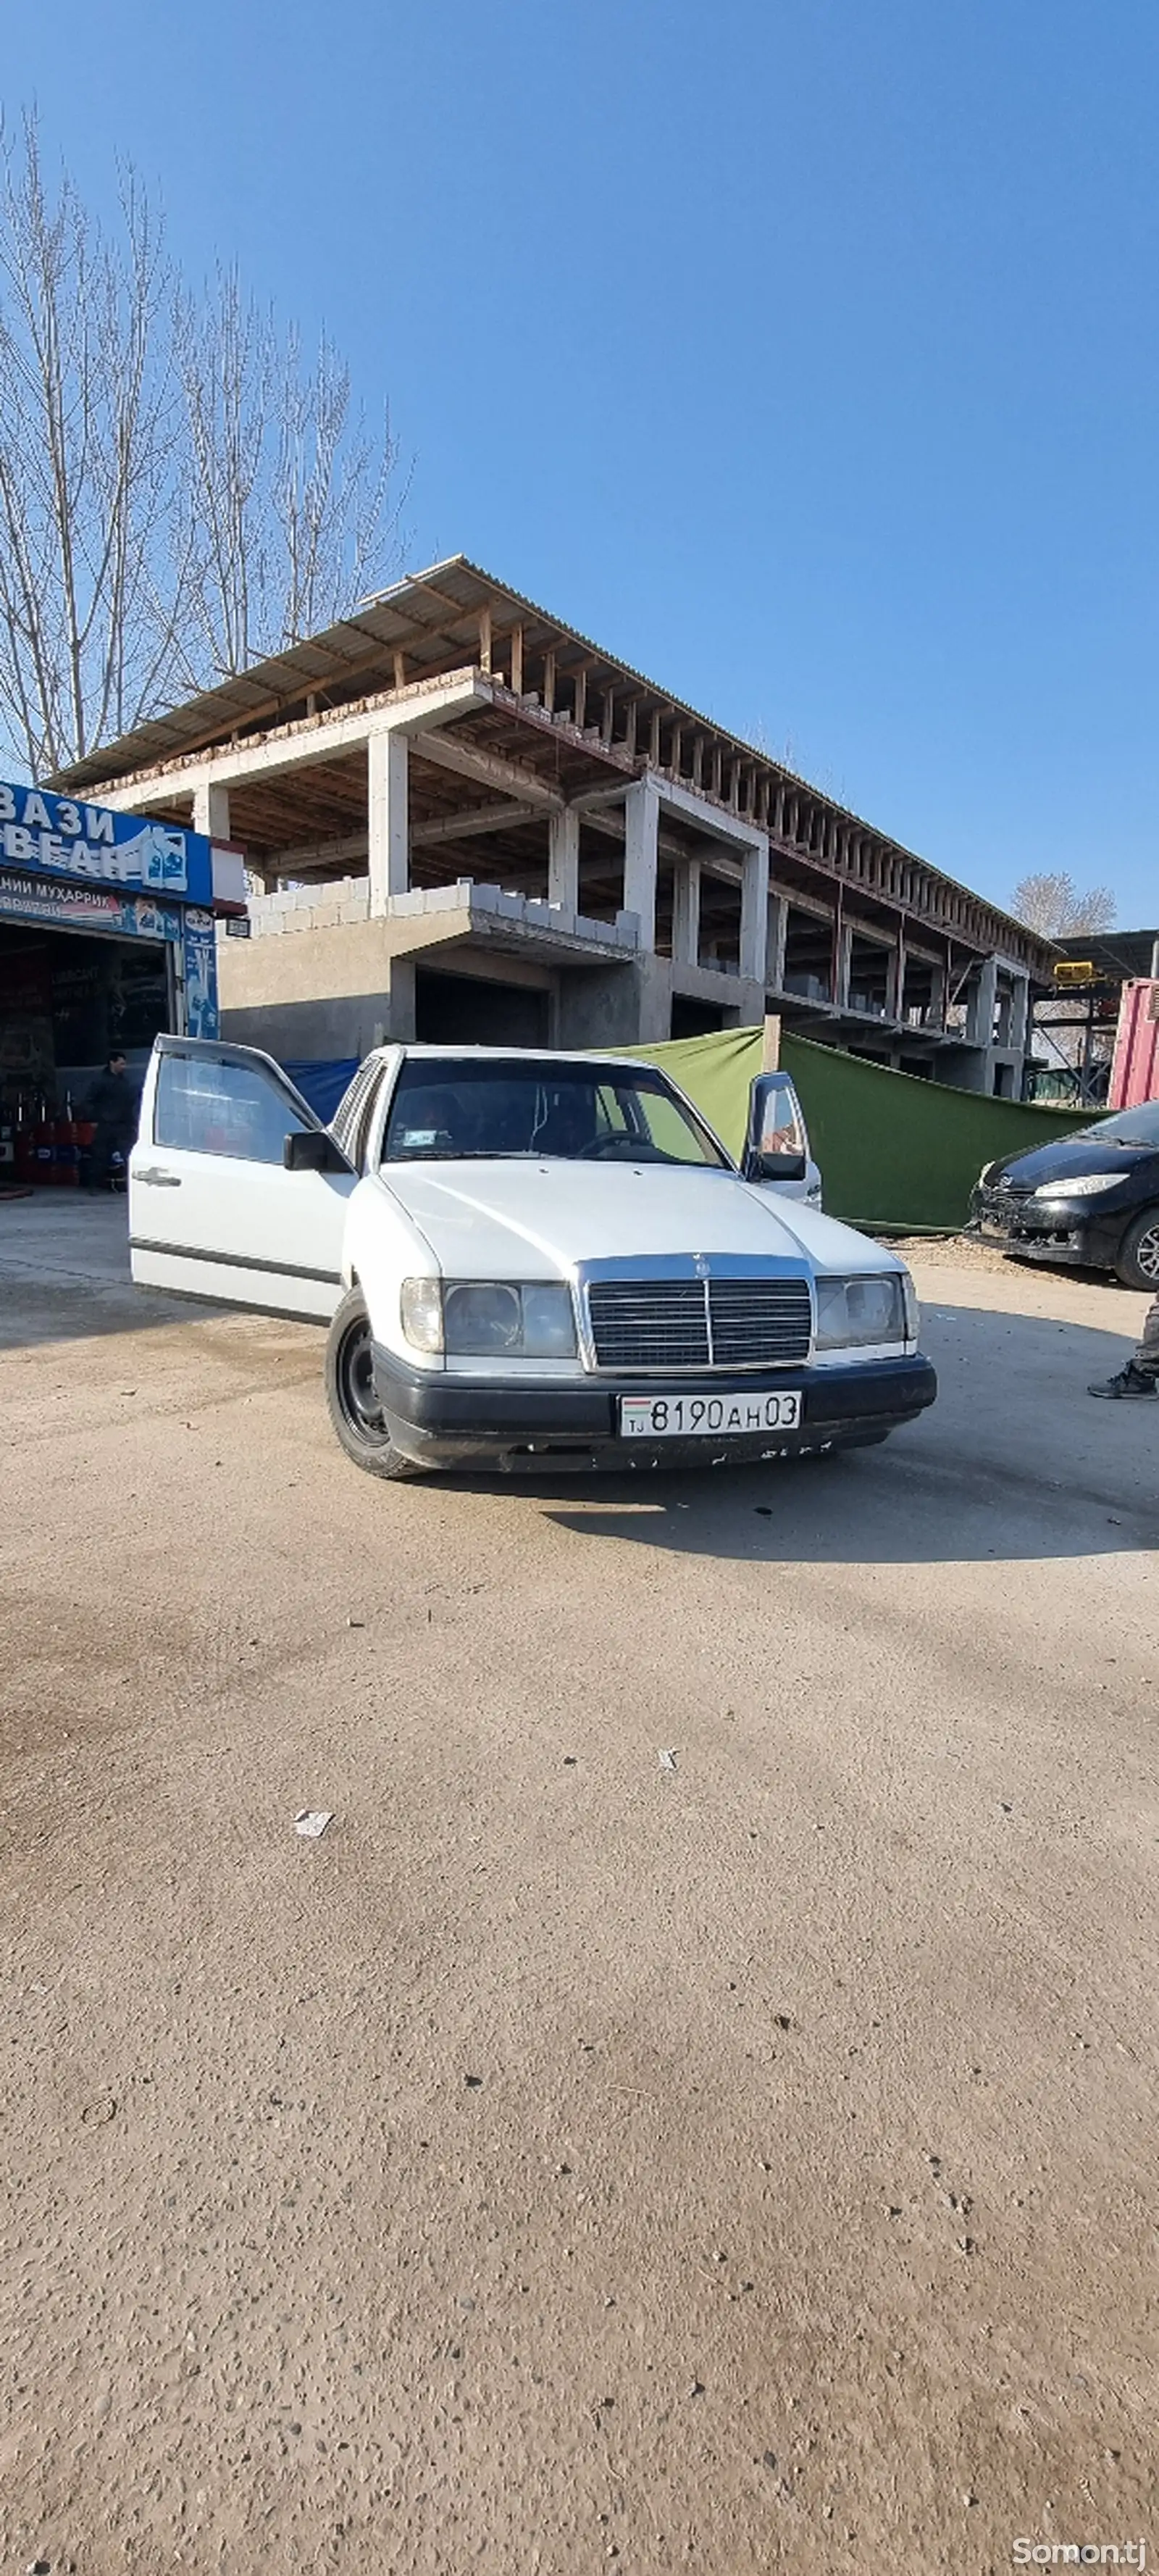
x: 214, y: 1212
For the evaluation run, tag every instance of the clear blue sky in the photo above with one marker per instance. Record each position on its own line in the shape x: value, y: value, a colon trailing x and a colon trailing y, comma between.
x: 801, y: 351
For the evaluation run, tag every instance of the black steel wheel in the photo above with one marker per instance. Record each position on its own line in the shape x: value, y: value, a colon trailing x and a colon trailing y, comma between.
x: 352, y: 1397
x: 1138, y: 1262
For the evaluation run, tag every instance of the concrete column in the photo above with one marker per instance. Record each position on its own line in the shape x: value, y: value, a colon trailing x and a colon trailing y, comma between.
x: 1019, y: 1012
x: 982, y: 1004
x: 754, y: 912
x: 653, y: 981
x: 211, y: 810
x: 563, y: 848
x: 896, y: 1003
x: 642, y: 826
x: 686, y: 914
x: 387, y: 808
x: 842, y: 961
x: 777, y: 935
x: 402, y: 1001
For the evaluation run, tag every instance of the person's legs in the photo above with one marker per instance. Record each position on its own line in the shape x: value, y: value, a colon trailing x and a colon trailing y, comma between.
x: 124, y: 1140
x: 1147, y: 1351
x: 100, y: 1157
x: 1140, y: 1377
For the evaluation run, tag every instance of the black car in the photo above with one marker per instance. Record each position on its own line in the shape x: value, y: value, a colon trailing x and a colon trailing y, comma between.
x: 1091, y: 1198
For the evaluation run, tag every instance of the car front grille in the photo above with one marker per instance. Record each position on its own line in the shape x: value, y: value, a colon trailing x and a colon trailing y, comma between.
x: 1002, y: 1206
x: 699, y: 1323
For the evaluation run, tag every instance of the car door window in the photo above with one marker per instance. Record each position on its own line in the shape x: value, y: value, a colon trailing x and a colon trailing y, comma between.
x: 207, y: 1106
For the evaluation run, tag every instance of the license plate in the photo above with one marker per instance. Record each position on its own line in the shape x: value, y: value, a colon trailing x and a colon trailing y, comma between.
x: 725, y: 1417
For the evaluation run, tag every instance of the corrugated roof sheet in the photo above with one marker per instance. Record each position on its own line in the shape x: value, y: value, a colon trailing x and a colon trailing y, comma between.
x: 355, y: 657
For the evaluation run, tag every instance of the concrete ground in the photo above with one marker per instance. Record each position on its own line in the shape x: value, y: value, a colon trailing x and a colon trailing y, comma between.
x: 569, y: 2161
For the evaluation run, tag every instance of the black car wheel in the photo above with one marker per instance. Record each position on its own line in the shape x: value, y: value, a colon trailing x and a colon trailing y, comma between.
x: 352, y: 1397
x: 1138, y: 1262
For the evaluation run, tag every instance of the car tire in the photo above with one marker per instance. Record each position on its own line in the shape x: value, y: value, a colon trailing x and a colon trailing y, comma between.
x: 350, y: 1396
x: 1138, y: 1262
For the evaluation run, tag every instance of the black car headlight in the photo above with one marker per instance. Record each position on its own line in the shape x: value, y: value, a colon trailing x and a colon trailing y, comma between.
x: 875, y: 1307
x: 490, y: 1318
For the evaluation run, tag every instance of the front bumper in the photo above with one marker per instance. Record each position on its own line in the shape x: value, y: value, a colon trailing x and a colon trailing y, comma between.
x: 1086, y: 1242
x: 439, y: 1420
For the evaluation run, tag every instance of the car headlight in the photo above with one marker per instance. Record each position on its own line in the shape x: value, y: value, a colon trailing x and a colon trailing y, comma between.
x: 490, y: 1318
x: 872, y: 1308
x: 421, y: 1307
x: 1085, y: 1188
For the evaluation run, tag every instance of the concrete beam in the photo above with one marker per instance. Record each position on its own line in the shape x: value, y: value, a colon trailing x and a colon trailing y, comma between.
x: 480, y: 818
x: 301, y: 746
x: 487, y: 770
x: 715, y: 820
x: 312, y: 854
x: 353, y: 846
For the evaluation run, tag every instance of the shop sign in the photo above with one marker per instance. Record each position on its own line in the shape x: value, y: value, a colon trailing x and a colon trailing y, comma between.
x: 86, y: 907
x: 57, y: 837
x: 201, y: 1011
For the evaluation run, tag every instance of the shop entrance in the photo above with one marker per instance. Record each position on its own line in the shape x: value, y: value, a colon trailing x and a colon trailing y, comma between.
x: 68, y: 1000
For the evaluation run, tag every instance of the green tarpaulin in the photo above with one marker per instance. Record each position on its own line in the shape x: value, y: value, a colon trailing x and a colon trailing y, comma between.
x: 894, y: 1151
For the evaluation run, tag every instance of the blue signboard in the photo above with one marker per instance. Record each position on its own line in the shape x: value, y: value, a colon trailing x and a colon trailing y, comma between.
x: 24, y: 897
x: 201, y: 1013
x: 55, y: 837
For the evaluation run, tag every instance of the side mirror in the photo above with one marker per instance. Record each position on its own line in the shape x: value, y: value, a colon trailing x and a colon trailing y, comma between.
x: 776, y: 1144
x: 310, y: 1149
x: 776, y: 1167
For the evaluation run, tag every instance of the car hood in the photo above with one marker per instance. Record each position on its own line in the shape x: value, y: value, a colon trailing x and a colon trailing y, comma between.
x: 504, y: 1220
x: 1067, y: 1159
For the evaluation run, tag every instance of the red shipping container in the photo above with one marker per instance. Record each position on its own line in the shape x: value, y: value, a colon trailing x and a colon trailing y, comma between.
x: 1135, y: 1066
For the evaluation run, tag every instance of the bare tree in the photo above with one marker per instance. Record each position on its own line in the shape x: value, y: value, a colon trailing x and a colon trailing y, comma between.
x: 86, y: 451
x: 287, y: 509
x: 180, y: 492
x: 1052, y: 904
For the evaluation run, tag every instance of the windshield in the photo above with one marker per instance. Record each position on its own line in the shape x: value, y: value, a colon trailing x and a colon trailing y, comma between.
x: 456, y: 1109
x: 1130, y: 1127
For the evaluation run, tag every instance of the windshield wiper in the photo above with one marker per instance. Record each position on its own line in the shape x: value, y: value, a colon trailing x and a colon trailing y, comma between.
x: 466, y: 1154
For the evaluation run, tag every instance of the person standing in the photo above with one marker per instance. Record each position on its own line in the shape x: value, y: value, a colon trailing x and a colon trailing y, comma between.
x: 113, y: 1105
x: 1141, y: 1373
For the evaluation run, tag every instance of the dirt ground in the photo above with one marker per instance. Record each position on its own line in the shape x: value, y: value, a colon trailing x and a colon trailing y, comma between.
x: 571, y: 2161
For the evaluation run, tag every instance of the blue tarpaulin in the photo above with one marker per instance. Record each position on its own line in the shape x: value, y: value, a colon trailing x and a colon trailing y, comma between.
x: 323, y: 1084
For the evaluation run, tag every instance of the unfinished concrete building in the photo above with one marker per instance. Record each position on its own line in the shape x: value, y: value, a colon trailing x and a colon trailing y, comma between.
x: 471, y: 823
